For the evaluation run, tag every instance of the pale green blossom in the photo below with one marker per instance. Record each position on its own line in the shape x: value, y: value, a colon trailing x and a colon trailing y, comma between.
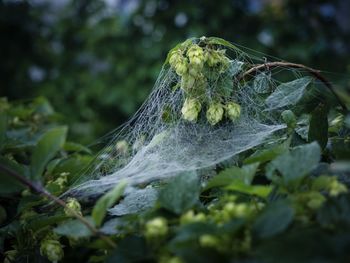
x: 191, y: 109
x: 233, y: 111
x: 215, y: 113
x: 157, y: 227
x: 72, y: 204
x: 52, y: 249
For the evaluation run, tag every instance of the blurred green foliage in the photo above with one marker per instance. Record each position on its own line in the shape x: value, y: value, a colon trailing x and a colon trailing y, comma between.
x: 97, y: 61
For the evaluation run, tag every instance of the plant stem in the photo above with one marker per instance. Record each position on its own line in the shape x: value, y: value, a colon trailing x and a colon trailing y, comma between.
x: 38, y: 188
x: 314, y: 72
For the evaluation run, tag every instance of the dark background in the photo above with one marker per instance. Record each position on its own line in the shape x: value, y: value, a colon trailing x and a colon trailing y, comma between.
x: 96, y: 61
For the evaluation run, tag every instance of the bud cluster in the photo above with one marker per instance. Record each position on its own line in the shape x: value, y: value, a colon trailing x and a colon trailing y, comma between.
x: 330, y: 184
x: 191, y: 62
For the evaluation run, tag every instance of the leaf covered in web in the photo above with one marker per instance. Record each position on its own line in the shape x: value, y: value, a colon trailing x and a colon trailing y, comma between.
x: 288, y: 93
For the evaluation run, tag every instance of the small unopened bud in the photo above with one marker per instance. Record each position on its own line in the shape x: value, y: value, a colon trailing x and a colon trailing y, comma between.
x: 156, y: 227
x: 215, y: 113
x: 233, y: 111
x: 289, y: 119
x: 72, y: 205
x: 196, y: 55
x: 191, y: 109
x: 52, y: 249
x: 216, y: 57
x: 178, y: 62
x: 190, y: 217
x: 337, y: 188
x: 175, y: 57
x: 181, y: 67
x: 315, y: 200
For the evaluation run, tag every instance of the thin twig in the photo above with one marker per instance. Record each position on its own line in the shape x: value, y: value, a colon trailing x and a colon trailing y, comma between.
x: 38, y: 188
x: 314, y: 72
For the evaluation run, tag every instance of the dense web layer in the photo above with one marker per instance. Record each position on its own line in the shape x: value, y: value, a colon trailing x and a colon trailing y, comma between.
x: 187, y: 127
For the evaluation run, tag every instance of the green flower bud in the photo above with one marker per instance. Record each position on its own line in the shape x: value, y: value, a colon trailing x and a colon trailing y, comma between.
x: 26, y: 192
x: 191, y: 217
x: 191, y: 109
x: 157, y: 227
x: 52, y: 249
x: 181, y: 67
x: 241, y: 210
x: 215, y: 57
x: 236, y: 210
x: 215, y: 113
x: 175, y: 57
x: 122, y: 147
x: 315, y: 200
x: 336, y: 188
x: 72, y: 204
x: 209, y: 241
x: 196, y: 56
x: 62, y: 180
x: 289, y: 118
x: 178, y: 62
x: 233, y: 111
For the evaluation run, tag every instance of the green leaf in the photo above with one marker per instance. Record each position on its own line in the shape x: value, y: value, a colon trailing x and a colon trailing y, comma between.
x: 107, y: 201
x: 41, y: 221
x: 303, y: 125
x: 288, y: 93
x: 261, y: 83
x: 223, y: 42
x: 135, y: 202
x: 181, y: 193
x: 233, y: 174
x: 76, y: 147
x: 10, y: 185
x: 43, y: 106
x: 258, y: 190
x: 318, y: 130
x: 234, y: 69
x: 274, y: 219
x: 74, y: 228
x: 48, y: 145
x: 296, y: 164
x: 269, y: 154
